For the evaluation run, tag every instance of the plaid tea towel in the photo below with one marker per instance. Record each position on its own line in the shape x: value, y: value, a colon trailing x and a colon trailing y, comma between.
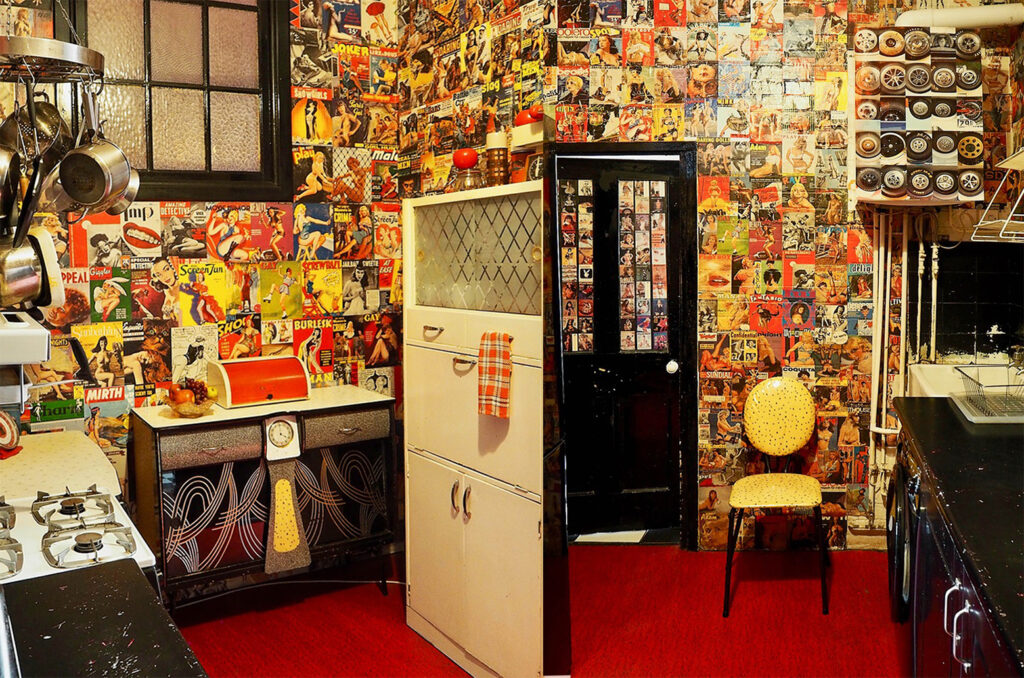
x: 494, y: 370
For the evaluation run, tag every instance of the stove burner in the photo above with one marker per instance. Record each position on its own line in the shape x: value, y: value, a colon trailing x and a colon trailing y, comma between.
x: 6, y: 514
x: 88, y: 542
x: 11, y: 555
x: 75, y: 506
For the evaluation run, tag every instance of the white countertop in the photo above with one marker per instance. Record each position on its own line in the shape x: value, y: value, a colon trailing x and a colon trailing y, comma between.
x: 162, y: 417
x: 51, y: 462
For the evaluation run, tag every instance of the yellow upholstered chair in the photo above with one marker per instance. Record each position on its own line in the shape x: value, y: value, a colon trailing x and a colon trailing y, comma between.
x: 778, y: 419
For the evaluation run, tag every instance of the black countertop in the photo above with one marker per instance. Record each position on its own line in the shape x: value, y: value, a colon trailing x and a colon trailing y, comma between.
x: 103, y: 620
x: 977, y: 472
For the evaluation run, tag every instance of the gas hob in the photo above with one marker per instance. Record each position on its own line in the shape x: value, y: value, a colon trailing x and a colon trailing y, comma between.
x: 53, y: 533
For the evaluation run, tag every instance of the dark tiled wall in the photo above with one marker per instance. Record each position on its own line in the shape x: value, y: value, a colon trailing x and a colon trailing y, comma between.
x: 980, y: 285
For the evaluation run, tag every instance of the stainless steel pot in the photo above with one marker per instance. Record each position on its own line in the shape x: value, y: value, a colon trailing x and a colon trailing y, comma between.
x: 21, y: 275
x: 50, y: 129
x: 94, y: 173
x: 10, y: 177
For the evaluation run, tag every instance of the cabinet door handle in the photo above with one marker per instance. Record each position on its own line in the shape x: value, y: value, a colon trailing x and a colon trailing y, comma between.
x: 945, y: 607
x: 210, y: 451
x: 456, y: 362
x: 349, y: 430
x: 957, y: 636
x: 436, y: 329
x: 465, y: 502
x: 455, y: 491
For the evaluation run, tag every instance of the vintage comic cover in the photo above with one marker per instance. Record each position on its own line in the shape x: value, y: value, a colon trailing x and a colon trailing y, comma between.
x: 382, y: 125
x: 350, y: 348
x: 155, y: 289
x: 110, y: 290
x: 312, y: 173
x: 390, y: 281
x: 272, y: 235
x: 147, y: 355
x: 387, y: 236
x: 341, y: 20
x: 312, y: 61
x: 202, y: 287
x: 280, y: 290
x: 191, y: 349
x: 184, y: 229
x: 311, y: 115
x: 240, y: 336
x: 228, y: 232
x: 313, y: 342
x: 105, y: 238
x: 378, y: 379
x: 321, y: 294
x: 104, y: 346
x: 382, y: 339
x: 353, y: 232
x: 60, y: 367
x: 384, y: 73
x: 379, y: 22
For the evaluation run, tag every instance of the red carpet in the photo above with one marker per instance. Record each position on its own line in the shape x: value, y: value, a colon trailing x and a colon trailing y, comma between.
x: 636, y: 611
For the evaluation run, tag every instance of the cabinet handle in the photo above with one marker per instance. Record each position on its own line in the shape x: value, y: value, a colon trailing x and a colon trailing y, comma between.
x: 465, y: 502
x: 957, y: 636
x: 210, y: 451
x: 349, y: 430
x: 945, y: 607
x: 432, y: 328
x: 463, y: 361
x: 455, y: 491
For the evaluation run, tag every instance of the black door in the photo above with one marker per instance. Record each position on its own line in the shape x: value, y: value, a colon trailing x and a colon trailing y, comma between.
x: 626, y: 237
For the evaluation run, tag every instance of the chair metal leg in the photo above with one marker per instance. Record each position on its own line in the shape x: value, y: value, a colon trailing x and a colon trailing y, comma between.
x: 824, y: 559
x: 734, y: 532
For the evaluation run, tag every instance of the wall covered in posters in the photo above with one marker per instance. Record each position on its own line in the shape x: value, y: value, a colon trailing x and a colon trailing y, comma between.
x: 786, y: 272
x: 157, y: 292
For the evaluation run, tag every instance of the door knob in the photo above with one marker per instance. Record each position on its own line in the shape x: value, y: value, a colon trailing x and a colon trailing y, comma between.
x: 671, y: 367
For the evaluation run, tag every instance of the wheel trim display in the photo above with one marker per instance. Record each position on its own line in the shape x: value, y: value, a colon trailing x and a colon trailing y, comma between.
x: 869, y: 179
x: 868, y: 145
x: 894, y: 77
x: 919, y: 78
x: 945, y: 182
x: 920, y: 108
x: 968, y: 43
x: 868, y: 79
x: 865, y: 40
x: 917, y: 43
x: 892, y: 144
x: 890, y: 43
x: 970, y: 182
x: 945, y: 144
x: 867, y: 110
x: 943, y: 77
x: 943, y: 109
x: 971, y: 147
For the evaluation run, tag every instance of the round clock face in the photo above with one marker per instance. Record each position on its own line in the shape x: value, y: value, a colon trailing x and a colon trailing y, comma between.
x: 280, y: 433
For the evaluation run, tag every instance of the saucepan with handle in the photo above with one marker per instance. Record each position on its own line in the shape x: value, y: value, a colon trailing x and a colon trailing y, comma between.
x: 98, y: 171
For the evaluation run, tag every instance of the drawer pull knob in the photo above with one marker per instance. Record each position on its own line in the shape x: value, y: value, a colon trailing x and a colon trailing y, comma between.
x: 433, y: 328
x: 349, y: 430
x: 463, y: 361
x: 213, y: 450
x: 455, y: 491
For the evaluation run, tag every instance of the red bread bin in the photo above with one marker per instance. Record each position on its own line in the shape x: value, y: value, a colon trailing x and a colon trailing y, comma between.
x: 258, y: 381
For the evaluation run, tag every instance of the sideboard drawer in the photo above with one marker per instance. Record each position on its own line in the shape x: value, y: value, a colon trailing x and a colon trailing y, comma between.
x: 340, y: 428
x: 210, y: 446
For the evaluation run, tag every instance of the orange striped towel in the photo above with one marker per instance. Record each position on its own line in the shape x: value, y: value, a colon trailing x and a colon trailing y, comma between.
x: 494, y: 371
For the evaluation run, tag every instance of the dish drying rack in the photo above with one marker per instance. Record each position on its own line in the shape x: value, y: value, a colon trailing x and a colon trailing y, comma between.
x: 994, y: 394
x: 1010, y: 228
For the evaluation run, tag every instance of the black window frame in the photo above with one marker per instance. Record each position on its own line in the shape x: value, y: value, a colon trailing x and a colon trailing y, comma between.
x: 274, y: 180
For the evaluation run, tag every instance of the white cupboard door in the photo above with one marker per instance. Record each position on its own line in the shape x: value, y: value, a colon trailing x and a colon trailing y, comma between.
x: 434, y: 542
x: 503, y: 580
x: 440, y: 401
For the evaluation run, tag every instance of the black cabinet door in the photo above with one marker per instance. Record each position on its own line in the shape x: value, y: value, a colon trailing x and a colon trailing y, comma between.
x: 936, y: 598
x: 624, y: 361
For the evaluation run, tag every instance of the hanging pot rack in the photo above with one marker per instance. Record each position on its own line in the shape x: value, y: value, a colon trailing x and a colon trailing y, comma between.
x: 44, y: 60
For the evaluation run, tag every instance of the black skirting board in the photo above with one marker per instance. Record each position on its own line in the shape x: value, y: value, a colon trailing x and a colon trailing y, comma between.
x: 103, y: 620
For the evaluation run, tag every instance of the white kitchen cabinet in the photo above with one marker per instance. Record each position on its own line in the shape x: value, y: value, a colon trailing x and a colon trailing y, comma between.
x: 474, y: 563
x: 474, y: 543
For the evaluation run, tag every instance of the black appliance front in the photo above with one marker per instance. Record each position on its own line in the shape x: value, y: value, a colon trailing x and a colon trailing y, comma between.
x: 626, y: 243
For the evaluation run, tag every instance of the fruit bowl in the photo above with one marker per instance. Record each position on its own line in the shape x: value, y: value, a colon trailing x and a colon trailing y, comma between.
x: 191, y: 410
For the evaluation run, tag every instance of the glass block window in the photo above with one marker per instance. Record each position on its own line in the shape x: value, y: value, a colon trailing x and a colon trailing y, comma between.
x: 191, y: 92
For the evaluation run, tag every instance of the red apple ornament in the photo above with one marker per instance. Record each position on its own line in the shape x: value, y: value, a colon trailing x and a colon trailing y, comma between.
x: 523, y: 118
x: 464, y: 158
x: 536, y: 112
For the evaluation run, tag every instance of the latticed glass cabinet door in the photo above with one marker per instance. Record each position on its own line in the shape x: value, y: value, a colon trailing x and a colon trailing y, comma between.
x: 482, y: 253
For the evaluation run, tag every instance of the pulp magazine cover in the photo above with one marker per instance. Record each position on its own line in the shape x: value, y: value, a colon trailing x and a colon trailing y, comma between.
x: 106, y: 245
x: 312, y: 168
x: 184, y: 229
x: 277, y: 338
x: 110, y: 290
x: 76, y: 307
x: 314, y: 235
x: 389, y: 279
x: 228, y: 228
x: 311, y: 117
x: 387, y: 237
x: 240, y: 336
x: 104, y: 346
x: 280, y: 290
x: 382, y: 339
x: 321, y: 293
x: 202, y: 289
x: 147, y: 355
x: 191, y: 350
x: 106, y: 424
x: 378, y: 379
x: 272, y: 235
x: 353, y: 174
x: 142, y: 230
x: 53, y: 402
x: 243, y: 288
x: 312, y: 338
x: 360, y: 293
x: 353, y: 229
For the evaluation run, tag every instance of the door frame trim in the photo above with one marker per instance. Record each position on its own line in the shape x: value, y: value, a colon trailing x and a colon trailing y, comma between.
x: 686, y: 152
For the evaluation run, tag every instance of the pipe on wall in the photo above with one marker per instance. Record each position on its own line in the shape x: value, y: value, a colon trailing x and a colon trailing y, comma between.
x: 989, y: 16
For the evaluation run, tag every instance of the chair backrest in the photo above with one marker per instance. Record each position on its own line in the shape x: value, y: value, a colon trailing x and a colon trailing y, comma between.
x: 778, y: 416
